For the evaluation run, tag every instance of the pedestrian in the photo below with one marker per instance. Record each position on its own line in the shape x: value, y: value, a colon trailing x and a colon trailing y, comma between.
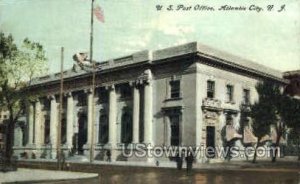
x: 108, y: 155
x: 179, y: 161
x: 189, y: 162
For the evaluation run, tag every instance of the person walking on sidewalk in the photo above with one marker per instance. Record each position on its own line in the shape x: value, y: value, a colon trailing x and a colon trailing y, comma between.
x: 108, y: 155
x: 179, y: 161
x: 189, y: 162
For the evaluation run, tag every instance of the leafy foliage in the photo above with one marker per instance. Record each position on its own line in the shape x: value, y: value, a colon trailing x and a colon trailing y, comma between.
x: 264, y: 111
x: 277, y: 109
x: 18, y: 66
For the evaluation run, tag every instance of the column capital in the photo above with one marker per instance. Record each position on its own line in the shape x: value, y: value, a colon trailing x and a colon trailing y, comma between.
x: 37, y: 101
x: 143, y: 82
x: 134, y: 84
x: 51, y: 97
x: 33, y: 101
x: 88, y: 91
x: 68, y: 94
x: 131, y: 83
x: 145, y: 78
x: 110, y: 87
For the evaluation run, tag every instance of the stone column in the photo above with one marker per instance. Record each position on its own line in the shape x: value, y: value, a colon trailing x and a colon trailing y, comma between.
x: 136, y: 114
x: 112, y: 117
x: 18, y: 135
x: 148, y: 114
x: 221, y: 125
x: 53, y: 126
x: 38, y: 128
x: 70, y: 119
x: 38, y: 124
x: 97, y: 121
x: 30, y: 124
x: 89, y: 116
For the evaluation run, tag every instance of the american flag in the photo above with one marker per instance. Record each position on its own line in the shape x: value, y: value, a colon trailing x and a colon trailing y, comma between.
x: 99, y: 13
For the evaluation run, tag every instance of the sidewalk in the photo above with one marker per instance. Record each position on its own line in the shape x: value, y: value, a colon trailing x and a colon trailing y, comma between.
x: 288, y: 163
x: 35, y: 175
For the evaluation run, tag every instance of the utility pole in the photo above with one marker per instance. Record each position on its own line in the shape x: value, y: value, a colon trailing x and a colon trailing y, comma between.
x: 60, y: 110
x: 93, y: 85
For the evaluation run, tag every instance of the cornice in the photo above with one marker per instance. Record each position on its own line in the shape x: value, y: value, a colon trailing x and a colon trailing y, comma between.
x: 236, y: 67
x: 148, y: 59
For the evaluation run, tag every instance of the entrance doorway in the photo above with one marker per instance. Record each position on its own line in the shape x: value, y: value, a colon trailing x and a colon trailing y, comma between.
x: 210, y: 142
x: 82, y: 133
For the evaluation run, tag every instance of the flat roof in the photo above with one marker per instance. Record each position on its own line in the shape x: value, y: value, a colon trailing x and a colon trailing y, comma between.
x: 155, y: 56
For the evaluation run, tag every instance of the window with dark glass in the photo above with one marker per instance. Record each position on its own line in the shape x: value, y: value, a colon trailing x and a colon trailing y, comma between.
x: 47, y: 132
x: 174, y: 123
x: 24, y: 135
x: 125, y: 91
x: 63, y: 131
x: 246, y: 96
x: 82, y: 100
x: 210, y: 89
x: 103, y: 129
x: 46, y: 103
x: 126, y: 128
x: 175, y: 89
x: 229, y: 93
x: 103, y: 95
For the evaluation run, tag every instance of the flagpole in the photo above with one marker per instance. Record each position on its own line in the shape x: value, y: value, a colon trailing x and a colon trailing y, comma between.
x: 93, y: 85
x: 60, y: 110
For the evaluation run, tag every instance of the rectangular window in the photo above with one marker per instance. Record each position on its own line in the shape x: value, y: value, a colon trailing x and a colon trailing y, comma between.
x: 125, y: 91
x: 63, y: 131
x: 82, y: 99
x: 47, y: 132
x: 46, y: 104
x: 210, y: 141
x: 246, y: 96
x: 174, y: 123
x: 210, y: 89
x: 175, y: 89
x: 103, y: 129
x: 103, y: 95
x: 229, y: 93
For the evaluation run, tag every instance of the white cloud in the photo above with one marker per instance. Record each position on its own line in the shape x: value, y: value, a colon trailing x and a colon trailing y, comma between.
x: 140, y: 42
x: 172, y: 24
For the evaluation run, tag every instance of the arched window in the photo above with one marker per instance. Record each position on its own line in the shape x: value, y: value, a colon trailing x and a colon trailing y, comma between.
x: 126, y: 128
x: 103, y: 129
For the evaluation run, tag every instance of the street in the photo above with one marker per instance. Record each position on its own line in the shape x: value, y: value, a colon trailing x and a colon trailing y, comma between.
x: 198, y: 177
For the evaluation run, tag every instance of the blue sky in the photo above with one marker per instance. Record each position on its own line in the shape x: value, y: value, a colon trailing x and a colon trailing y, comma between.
x: 268, y: 38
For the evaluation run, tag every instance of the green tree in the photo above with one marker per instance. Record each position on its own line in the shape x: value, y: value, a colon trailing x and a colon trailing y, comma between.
x: 263, y: 112
x: 18, y: 66
x: 289, y: 110
x: 276, y: 109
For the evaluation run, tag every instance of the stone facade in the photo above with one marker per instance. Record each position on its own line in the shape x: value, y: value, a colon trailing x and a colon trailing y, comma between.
x: 178, y: 96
